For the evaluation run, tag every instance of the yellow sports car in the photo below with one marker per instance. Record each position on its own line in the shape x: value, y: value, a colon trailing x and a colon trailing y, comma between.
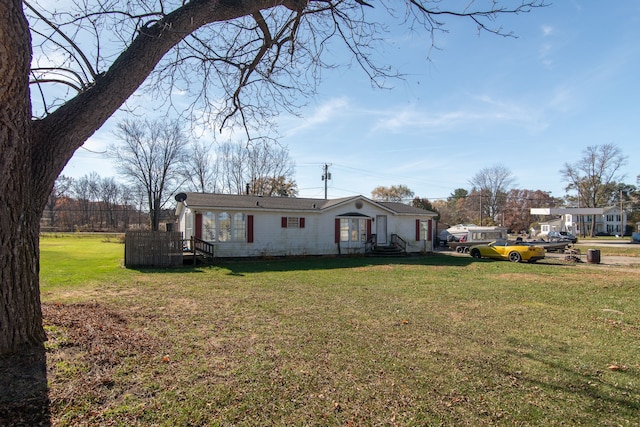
x: 511, y: 251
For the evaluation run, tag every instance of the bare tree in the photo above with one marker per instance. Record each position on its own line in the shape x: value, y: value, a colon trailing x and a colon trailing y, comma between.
x: 394, y: 193
x: 269, y: 170
x: 592, y: 176
x: 279, y: 186
x: 490, y: 187
x: 472, y: 209
x: 109, y: 199
x: 260, y: 168
x: 244, y: 61
x: 230, y: 164
x: 516, y: 215
x: 86, y: 192
x: 61, y: 188
x: 151, y: 157
x: 200, y: 171
x: 131, y: 200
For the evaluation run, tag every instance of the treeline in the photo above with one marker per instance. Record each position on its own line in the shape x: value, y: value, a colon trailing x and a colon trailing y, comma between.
x: 94, y: 203
x: 511, y: 209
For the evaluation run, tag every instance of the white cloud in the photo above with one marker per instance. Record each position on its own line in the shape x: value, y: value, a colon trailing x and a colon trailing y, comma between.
x: 544, y: 55
x: 562, y: 99
x: 324, y: 113
x: 544, y: 52
x: 478, y: 111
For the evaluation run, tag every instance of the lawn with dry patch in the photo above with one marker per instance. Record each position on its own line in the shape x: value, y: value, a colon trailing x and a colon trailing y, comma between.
x: 430, y: 340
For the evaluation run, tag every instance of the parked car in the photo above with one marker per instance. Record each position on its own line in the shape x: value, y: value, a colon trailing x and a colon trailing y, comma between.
x: 569, y: 236
x: 505, y: 250
x: 558, y: 236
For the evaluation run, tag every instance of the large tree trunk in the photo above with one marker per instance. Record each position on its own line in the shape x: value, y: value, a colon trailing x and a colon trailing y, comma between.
x: 32, y: 155
x: 23, y: 382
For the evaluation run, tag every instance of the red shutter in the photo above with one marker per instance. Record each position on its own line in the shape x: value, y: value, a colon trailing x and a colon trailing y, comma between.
x: 429, y: 230
x: 337, y: 230
x: 199, y: 226
x: 301, y: 222
x: 368, y: 228
x: 249, y: 228
x: 417, y: 230
x: 283, y: 222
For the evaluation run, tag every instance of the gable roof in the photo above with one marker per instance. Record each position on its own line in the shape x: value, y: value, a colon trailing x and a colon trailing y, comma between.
x: 402, y: 208
x: 250, y: 202
x: 235, y: 201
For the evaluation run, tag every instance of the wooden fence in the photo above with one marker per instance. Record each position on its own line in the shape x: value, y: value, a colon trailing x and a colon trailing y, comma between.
x: 152, y: 249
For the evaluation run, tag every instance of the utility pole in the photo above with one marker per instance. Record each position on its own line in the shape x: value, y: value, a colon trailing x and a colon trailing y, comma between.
x: 326, y: 176
x: 621, y: 223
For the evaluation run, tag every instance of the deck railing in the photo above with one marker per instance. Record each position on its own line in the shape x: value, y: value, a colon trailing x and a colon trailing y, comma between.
x: 399, y: 242
x: 195, y: 247
x: 202, y: 246
x: 370, y: 244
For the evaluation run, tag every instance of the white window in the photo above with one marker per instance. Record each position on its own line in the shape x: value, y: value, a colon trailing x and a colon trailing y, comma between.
x: 353, y: 230
x: 224, y: 227
x: 209, y: 226
x: 293, y: 222
x: 424, y: 229
x: 239, y: 231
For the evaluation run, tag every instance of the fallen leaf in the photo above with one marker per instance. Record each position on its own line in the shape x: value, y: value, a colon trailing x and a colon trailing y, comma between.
x: 616, y: 367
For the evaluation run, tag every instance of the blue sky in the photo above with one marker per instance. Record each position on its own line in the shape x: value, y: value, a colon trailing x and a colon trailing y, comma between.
x: 569, y: 80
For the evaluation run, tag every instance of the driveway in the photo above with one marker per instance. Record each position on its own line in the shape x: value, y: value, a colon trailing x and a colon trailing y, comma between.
x: 609, y: 243
x: 583, y: 245
x: 604, y: 259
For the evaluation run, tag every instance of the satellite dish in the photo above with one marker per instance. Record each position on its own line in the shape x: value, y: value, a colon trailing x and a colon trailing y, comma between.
x: 181, y: 197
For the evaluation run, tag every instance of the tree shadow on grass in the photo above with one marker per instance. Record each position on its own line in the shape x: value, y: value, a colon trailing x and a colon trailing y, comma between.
x: 240, y: 266
x: 619, y: 397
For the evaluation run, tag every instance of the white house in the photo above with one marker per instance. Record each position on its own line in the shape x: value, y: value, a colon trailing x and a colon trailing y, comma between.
x: 608, y: 220
x: 611, y: 222
x: 252, y: 226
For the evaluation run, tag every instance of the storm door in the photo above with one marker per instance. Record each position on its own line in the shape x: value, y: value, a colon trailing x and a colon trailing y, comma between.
x: 381, y: 229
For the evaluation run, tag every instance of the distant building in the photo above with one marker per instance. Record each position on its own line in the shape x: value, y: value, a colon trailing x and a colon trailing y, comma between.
x: 608, y: 221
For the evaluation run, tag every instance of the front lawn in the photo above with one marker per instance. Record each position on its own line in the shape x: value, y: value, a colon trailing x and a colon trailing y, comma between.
x: 435, y: 340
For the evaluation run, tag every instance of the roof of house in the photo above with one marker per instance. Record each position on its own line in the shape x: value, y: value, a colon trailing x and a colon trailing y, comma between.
x: 402, y: 208
x: 234, y: 201
x: 553, y: 221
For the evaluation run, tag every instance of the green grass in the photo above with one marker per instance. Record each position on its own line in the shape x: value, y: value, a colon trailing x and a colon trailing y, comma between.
x: 435, y: 340
x: 79, y: 260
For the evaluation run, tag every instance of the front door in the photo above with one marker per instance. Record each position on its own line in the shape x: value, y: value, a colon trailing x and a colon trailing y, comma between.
x: 381, y: 229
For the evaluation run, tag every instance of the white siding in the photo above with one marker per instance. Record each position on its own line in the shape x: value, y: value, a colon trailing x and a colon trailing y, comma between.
x: 318, y: 235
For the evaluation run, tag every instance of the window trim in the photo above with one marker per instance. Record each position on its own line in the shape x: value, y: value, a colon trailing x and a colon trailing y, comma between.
x: 234, y: 230
x: 292, y: 222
